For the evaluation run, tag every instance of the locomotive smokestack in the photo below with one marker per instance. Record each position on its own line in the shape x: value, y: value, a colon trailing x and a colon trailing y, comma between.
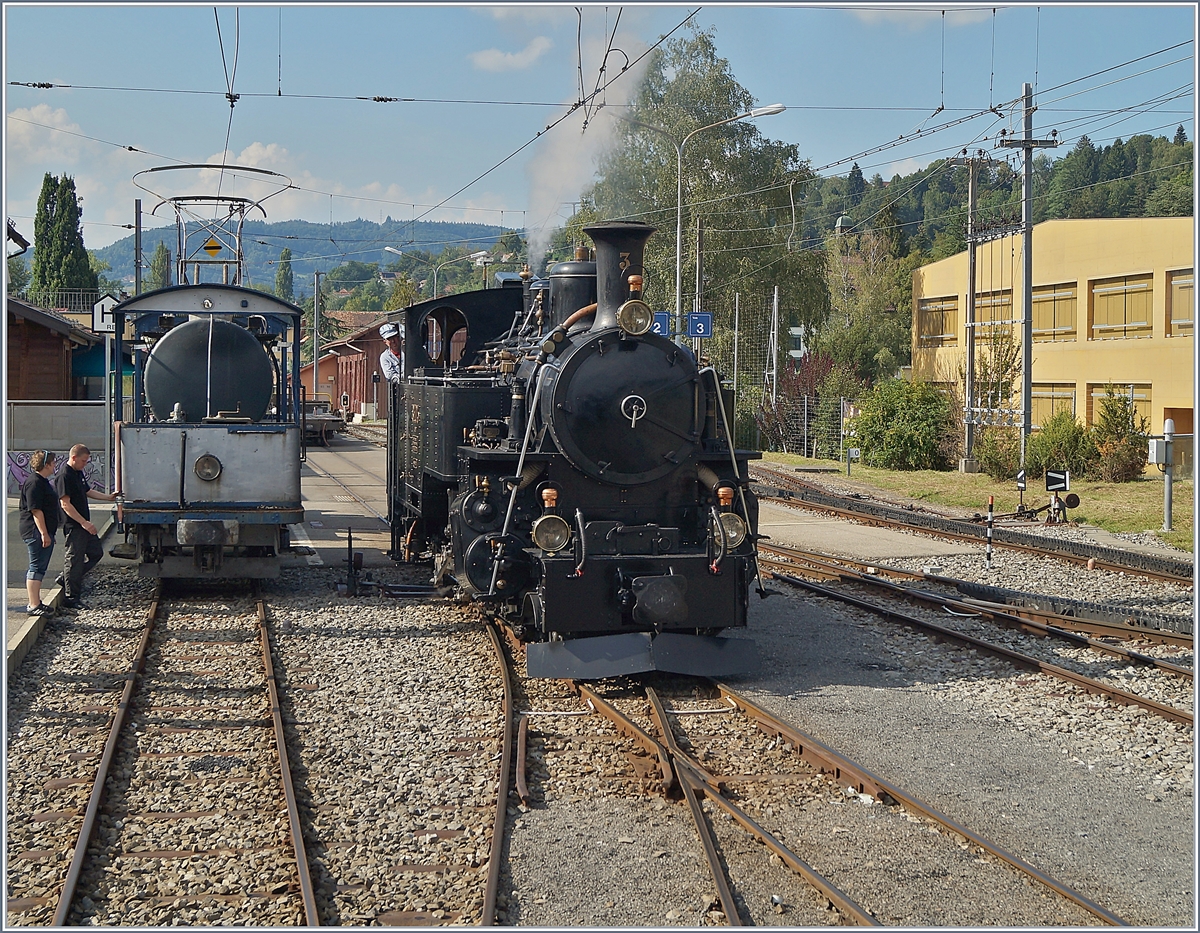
x: 620, y: 246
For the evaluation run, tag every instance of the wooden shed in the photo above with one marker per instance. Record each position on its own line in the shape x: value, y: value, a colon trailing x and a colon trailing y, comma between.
x: 40, y: 343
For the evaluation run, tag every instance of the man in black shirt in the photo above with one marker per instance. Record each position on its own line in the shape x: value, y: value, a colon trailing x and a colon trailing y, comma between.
x: 83, y: 550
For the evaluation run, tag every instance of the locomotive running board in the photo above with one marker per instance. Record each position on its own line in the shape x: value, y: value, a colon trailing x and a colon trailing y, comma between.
x: 637, y: 652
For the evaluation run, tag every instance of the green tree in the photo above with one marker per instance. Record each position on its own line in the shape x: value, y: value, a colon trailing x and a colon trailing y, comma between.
x: 902, y: 425
x: 159, y: 273
x: 1121, y: 437
x: 737, y: 182
x: 283, y: 276
x: 1180, y: 136
x: 18, y: 275
x: 60, y: 260
x: 869, y: 329
x: 104, y: 284
x: 855, y: 186
x: 1062, y: 443
x: 404, y: 292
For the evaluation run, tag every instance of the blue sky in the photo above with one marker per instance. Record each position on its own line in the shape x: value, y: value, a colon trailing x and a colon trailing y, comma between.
x: 854, y: 77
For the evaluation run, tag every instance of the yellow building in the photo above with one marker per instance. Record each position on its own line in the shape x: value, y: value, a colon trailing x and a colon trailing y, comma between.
x: 1112, y: 303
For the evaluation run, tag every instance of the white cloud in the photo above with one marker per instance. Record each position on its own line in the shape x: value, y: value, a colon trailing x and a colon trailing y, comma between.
x: 30, y: 142
x: 904, y: 167
x: 495, y: 60
x: 913, y: 20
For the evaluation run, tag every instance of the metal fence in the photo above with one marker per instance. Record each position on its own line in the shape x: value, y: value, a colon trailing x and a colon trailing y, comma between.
x: 61, y: 300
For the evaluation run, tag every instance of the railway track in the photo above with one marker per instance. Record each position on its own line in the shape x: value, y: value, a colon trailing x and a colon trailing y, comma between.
x: 760, y: 797
x: 957, y: 622
x: 190, y: 814
x: 788, y: 490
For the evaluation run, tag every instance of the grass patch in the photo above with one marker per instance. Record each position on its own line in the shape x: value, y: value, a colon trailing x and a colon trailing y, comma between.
x: 1118, y: 507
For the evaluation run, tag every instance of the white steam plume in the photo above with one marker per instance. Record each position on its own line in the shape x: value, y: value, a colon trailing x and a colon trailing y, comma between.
x: 568, y: 156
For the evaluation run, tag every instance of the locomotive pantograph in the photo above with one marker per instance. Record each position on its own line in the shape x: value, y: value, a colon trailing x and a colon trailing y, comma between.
x: 574, y: 472
x: 208, y: 466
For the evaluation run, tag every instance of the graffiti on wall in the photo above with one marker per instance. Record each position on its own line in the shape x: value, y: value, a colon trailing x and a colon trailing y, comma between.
x: 18, y: 470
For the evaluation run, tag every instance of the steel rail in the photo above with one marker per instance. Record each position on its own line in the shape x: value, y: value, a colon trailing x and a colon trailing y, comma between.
x: 897, y: 521
x: 1087, y: 626
x: 709, y: 785
x: 96, y: 800
x: 628, y: 727
x: 873, y: 570
x: 312, y: 916
x: 506, y: 753
x: 703, y: 830
x: 852, y: 774
x: 830, y: 567
x: 1086, y: 683
x: 522, y: 740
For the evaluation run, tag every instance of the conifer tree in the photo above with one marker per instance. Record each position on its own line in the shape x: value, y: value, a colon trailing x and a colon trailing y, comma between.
x: 283, y: 276
x: 160, y: 268
x: 60, y: 260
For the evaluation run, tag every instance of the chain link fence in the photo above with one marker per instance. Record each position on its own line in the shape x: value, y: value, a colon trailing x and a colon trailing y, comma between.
x: 754, y: 348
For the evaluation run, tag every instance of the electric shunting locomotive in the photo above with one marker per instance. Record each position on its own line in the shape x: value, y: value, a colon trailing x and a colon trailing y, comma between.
x: 574, y: 472
x: 208, y: 470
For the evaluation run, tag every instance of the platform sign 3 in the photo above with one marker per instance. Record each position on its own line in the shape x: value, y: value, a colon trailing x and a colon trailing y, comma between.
x: 1058, y: 480
x: 699, y: 324
x: 662, y: 324
x: 1021, y: 480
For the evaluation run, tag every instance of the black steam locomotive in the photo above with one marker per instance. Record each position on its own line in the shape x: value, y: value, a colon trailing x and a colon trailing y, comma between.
x: 575, y: 472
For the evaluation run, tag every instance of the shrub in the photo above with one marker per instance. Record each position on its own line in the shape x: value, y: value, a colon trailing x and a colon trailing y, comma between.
x: 1062, y: 443
x: 1121, y: 436
x: 902, y: 426
x: 998, y: 450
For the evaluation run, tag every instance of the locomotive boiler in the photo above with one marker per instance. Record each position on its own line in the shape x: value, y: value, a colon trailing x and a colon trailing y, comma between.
x: 574, y: 472
x: 208, y: 468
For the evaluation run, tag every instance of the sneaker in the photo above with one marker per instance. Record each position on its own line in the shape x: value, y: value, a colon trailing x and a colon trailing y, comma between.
x: 73, y: 603
x: 41, y: 609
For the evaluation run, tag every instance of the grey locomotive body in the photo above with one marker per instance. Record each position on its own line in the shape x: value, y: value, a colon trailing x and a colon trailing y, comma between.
x: 208, y: 470
x: 573, y: 471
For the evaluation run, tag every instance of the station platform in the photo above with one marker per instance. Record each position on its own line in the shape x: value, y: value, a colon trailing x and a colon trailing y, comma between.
x: 21, y: 630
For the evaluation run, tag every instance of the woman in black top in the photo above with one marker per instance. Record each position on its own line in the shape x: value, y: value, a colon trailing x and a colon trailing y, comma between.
x: 37, y: 524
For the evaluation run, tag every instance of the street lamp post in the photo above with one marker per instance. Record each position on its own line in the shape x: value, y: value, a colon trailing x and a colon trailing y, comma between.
x: 756, y: 112
x: 476, y: 256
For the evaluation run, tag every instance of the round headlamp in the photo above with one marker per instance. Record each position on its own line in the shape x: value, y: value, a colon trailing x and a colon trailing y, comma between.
x: 735, y: 529
x: 551, y: 533
x: 208, y: 467
x: 635, y: 317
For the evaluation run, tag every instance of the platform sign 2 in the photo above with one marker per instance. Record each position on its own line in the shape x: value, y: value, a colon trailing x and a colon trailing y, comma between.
x: 662, y: 324
x: 699, y: 324
x: 1058, y: 480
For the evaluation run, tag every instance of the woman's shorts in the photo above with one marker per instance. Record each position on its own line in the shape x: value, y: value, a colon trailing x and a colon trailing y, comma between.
x: 39, y: 558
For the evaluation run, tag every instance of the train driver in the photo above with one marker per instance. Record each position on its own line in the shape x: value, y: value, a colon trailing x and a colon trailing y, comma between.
x: 391, y: 360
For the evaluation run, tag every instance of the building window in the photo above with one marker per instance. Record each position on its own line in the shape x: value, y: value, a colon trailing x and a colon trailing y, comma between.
x: 1049, y: 398
x: 1054, y: 312
x: 1181, y: 303
x: 1139, y: 392
x: 993, y: 313
x: 1121, y: 307
x: 937, y: 322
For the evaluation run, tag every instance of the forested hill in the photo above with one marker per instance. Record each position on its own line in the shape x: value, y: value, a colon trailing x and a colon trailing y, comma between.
x: 1145, y: 176
x: 315, y: 245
